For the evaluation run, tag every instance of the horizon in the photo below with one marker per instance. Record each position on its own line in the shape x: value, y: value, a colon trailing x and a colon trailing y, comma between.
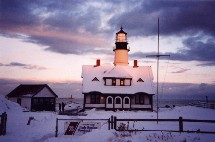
x: 48, y: 42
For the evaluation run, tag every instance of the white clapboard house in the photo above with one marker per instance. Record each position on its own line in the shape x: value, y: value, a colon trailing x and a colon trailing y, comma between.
x: 35, y: 97
x: 118, y: 86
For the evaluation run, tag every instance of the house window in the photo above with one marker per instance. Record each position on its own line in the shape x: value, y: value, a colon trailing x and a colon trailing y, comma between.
x: 95, y: 99
x: 110, y: 100
x: 126, y: 101
x: 139, y: 99
x: 122, y: 82
x: 113, y: 82
x: 118, y: 101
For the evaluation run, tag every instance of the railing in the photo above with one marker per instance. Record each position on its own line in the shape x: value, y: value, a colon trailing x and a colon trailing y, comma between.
x: 204, y: 105
x: 114, y: 124
x: 3, y: 123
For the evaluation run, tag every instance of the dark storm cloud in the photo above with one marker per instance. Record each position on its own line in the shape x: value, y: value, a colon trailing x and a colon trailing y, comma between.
x: 196, y: 48
x: 176, y: 18
x: 16, y: 64
x: 24, y: 66
x: 39, y: 20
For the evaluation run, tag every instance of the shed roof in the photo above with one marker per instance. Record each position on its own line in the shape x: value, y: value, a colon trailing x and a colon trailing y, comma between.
x: 29, y: 90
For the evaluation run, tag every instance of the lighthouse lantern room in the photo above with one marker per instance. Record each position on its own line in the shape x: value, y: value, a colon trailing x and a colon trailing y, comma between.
x: 121, y: 49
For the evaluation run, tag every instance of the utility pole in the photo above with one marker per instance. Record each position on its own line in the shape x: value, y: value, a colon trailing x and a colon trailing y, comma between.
x: 158, y: 56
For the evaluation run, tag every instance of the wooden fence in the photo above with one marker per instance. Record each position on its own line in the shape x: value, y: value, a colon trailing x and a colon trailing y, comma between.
x: 3, y: 123
x: 114, y: 121
x: 204, y: 105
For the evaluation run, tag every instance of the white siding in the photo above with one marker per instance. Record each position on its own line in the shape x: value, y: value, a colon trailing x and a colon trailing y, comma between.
x: 146, y: 100
x: 95, y: 105
x: 127, y: 81
x: 87, y: 99
x: 140, y: 106
x: 118, y: 82
x: 26, y: 103
x: 45, y: 92
x: 108, y: 82
x: 13, y: 99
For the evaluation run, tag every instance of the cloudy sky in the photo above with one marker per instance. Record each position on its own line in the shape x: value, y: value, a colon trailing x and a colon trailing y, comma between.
x: 49, y: 41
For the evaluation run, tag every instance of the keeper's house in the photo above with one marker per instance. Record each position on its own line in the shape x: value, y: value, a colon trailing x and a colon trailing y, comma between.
x: 35, y: 97
x: 118, y: 86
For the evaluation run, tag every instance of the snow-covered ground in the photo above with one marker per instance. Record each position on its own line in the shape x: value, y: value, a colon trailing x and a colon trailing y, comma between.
x: 42, y: 127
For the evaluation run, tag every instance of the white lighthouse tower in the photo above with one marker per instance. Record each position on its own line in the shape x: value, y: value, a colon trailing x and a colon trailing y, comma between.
x: 121, y: 50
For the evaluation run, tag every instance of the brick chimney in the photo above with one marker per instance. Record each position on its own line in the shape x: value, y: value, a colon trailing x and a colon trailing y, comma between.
x: 97, y: 63
x: 135, y: 64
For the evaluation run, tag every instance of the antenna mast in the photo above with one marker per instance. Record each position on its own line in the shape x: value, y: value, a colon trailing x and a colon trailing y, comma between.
x: 158, y: 57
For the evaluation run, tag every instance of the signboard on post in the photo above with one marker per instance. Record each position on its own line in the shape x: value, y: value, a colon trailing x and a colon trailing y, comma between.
x: 79, y: 128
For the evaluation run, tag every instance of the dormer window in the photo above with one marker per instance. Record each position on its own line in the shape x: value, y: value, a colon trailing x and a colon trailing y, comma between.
x: 140, y: 80
x: 110, y: 81
x: 113, y: 82
x: 95, y: 79
x: 122, y: 82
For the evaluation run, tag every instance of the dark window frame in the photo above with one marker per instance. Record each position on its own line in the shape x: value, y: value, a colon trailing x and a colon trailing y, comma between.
x: 114, y: 82
x: 139, y: 99
x: 118, y: 101
x: 127, y: 101
x: 110, y: 100
x: 95, y: 99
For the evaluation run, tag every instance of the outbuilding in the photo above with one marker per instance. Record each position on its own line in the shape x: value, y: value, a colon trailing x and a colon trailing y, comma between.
x: 35, y: 97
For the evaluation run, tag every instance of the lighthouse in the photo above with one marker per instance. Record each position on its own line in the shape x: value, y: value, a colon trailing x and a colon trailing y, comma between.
x: 121, y: 49
x: 119, y: 86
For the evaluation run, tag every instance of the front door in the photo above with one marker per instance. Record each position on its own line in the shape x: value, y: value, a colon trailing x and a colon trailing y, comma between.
x: 109, y: 102
x: 126, y: 102
x: 118, y: 102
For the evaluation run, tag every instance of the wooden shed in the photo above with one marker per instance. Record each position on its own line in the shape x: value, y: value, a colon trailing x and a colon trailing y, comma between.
x: 35, y: 97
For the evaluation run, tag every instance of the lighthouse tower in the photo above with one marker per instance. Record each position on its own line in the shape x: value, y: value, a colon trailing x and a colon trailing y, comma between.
x: 121, y: 50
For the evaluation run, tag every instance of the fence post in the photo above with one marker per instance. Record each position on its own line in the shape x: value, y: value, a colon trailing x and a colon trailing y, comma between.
x: 115, y: 119
x: 3, y: 124
x: 56, y: 128
x: 111, y: 121
x: 180, y: 124
x: 108, y: 123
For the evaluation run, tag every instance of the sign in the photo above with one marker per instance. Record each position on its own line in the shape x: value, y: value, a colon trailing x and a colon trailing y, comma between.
x: 79, y: 128
x: 70, y: 128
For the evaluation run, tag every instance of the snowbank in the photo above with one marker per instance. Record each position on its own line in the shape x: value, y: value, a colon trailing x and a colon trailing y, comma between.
x: 42, y: 127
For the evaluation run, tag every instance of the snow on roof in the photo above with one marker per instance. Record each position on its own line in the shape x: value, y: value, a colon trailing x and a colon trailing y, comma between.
x: 89, y: 72
x: 28, y: 90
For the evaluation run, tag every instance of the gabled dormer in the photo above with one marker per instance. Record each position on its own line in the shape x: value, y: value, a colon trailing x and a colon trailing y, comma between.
x: 95, y: 79
x: 140, y: 80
